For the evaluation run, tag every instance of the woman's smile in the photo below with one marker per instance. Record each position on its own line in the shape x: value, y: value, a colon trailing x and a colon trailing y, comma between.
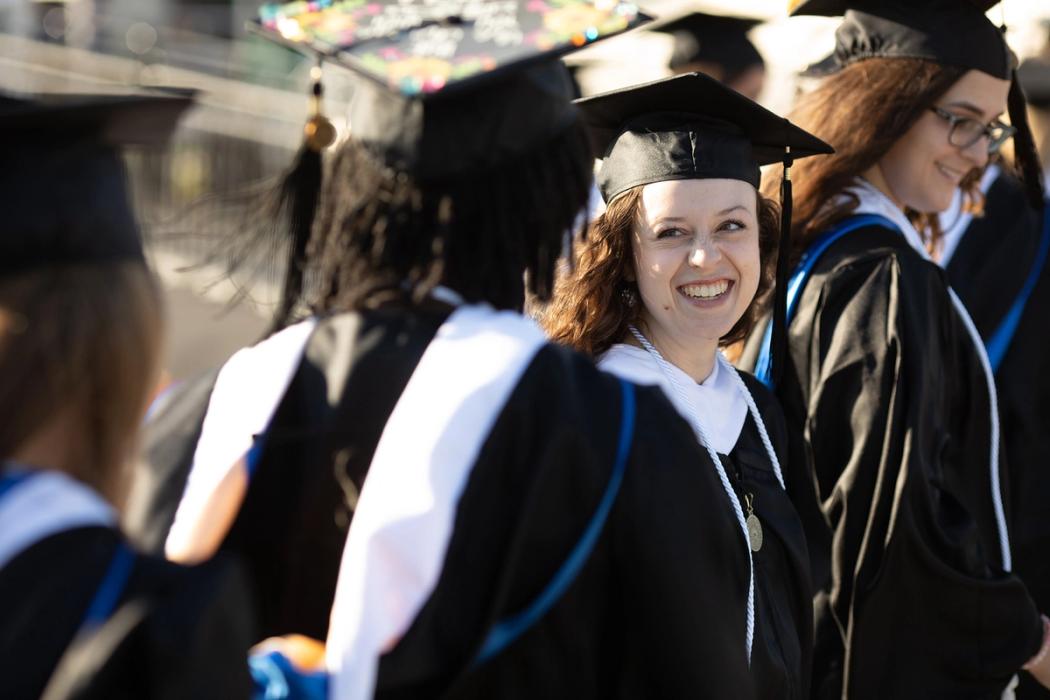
x: 707, y: 294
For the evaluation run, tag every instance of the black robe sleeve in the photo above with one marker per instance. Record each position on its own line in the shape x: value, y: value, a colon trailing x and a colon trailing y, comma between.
x: 889, y: 392
x: 169, y: 442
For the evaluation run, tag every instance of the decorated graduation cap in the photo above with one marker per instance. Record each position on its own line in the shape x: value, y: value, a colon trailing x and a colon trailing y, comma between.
x: 63, y: 181
x: 691, y: 127
x: 948, y: 32
x: 448, y: 88
x: 707, y: 38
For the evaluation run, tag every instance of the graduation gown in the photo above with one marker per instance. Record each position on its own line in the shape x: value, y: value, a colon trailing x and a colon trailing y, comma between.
x: 174, y: 631
x: 782, y: 650
x: 659, y: 606
x: 888, y: 390
x: 988, y: 269
x: 782, y: 656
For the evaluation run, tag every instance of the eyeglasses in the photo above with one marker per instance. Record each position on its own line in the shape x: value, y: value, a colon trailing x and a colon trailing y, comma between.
x: 965, y: 132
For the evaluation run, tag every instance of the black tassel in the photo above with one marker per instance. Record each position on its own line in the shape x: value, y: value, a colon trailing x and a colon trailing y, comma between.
x: 779, y: 341
x: 1026, y: 158
x: 297, y: 197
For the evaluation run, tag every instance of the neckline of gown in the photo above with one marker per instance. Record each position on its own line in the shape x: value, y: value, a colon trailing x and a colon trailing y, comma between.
x: 716, y: 399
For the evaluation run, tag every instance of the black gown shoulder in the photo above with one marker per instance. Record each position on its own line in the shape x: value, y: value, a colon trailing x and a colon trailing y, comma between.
x: 659, y: 608
x: 175, y: 632
x: 888, y: 390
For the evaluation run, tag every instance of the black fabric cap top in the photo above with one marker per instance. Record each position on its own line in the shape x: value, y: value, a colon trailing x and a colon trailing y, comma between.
x: 683, y: 128
x: 949, y: 32
x: 1034, y: 76
x: 704, y: 38
x: 456, y: 86
x: 62, y: 179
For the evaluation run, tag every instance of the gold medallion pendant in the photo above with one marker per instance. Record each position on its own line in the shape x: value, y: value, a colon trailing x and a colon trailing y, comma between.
x: 754, y: 525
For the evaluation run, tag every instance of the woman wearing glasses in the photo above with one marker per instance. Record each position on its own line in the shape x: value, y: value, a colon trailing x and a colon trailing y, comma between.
x: 888, y: 380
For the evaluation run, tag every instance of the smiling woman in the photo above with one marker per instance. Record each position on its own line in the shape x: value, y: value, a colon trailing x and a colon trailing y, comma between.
x: 593, y: 308
x: 671, y: 271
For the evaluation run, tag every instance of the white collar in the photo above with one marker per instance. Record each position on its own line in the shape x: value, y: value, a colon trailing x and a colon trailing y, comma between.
x: 874, y: 201
x: 44, y: 504
x: 716, y: 401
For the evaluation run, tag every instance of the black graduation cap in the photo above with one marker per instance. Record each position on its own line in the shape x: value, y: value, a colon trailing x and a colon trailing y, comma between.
x: 949, y: 32
x: 450, y: 87
x: 62, y: 180
x: 689, y: 127
x: 717, y: 39
x: 1034, y: 76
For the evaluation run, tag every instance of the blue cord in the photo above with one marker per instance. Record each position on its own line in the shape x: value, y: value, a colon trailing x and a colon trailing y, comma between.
x: 509, y: 629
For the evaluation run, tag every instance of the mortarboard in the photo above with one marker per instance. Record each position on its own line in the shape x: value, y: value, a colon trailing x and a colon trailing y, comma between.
x: 707, y: 38
x: 693, y: 127
x: 949, y: 32
x: 63, y: 179
x: 452, y: 86
x: 687, y: 127
x: 448, y: 88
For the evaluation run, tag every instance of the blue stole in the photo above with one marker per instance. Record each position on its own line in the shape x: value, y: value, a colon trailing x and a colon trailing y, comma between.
x: 800, y: 276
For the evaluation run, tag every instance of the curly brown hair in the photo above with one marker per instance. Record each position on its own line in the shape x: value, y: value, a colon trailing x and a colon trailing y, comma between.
x: 597, y: 299
x: 861, y: 110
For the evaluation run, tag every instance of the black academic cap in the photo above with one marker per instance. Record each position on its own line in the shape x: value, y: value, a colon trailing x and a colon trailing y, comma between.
x: 722, y: 40
x: 837, y: 8
x: 693, y: 127
x: 1034, y: 76
x: 949, y: 32
x: 62, y: 180
x: 455, y: 86
x: 687, y: 127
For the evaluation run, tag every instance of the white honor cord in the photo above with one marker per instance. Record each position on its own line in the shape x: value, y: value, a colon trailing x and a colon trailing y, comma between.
x: 701, y: 432
x: 993, y: 403
x: 753, y: 408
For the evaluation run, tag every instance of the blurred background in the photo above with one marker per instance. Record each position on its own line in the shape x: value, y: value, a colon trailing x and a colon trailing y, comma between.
x: 252, y: 104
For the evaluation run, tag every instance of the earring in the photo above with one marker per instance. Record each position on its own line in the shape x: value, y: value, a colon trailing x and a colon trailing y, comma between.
x: 628, y: 295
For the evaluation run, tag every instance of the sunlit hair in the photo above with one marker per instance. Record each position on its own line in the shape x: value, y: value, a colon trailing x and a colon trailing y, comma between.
x: 596, y: 300
x: 81, y: 341
x: 861, y: 111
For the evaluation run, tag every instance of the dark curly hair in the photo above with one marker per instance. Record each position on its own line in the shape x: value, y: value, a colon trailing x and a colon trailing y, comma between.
x: 591, y: 311
x: 487, y: 235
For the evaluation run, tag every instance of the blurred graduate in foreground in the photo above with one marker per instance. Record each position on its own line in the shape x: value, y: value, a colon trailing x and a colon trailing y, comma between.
x: 82, y: 615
